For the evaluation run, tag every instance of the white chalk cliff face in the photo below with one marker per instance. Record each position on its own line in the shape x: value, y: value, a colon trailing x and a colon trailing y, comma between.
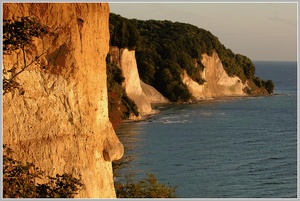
x: 142, y: 94
x: 61, y: 121
x: 132, y: 81
x: 217, y: 84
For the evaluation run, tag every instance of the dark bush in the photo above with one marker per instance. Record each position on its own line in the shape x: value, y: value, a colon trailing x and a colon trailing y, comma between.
x: 270, y: 86
x: 146, y: 188
x: 19, y: 181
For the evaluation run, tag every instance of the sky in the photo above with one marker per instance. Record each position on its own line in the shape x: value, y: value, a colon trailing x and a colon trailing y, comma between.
x: 260, y: 31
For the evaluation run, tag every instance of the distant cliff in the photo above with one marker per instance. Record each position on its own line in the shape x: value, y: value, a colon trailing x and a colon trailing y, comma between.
x: 60, y: 120
x: 132, y: 81
x: 184, y: 62
x: 218, y: 83
x: 142, y: 94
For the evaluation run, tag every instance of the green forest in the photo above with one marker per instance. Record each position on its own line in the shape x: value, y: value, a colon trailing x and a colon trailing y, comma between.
x: 164, y: 49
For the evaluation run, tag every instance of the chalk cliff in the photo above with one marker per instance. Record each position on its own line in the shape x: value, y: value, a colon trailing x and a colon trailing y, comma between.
x: 217, y: 84
x: 132, y: 81
x: 61, y: 121
x: 142, y: 94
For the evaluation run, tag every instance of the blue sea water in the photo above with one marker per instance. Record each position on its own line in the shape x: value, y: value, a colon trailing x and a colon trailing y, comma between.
x: 243, y: 147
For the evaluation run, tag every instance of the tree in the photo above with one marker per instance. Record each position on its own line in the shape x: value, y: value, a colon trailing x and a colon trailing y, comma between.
x: 123, y: 32
x: 269, y: 86
x: 18, y: 34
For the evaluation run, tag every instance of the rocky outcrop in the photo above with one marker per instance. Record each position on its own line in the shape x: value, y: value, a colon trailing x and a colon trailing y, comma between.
x: 218, y: 83
x: 60, y: 122
x: 142, y: 94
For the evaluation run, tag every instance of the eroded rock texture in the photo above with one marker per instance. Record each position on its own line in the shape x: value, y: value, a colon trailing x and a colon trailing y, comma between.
x: 60, y: 122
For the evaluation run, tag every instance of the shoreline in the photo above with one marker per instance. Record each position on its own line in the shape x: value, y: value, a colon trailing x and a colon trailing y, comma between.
x: 156, y: 106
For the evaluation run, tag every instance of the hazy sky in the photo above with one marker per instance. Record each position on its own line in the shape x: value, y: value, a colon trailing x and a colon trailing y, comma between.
x: 260, y: 31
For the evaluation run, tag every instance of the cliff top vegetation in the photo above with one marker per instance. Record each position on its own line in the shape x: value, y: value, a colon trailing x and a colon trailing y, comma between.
x: 164, y: 49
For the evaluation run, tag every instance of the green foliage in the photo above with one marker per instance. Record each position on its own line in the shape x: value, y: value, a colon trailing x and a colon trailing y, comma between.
x: 146, y: 188
x: 259, y: 82
x: 130, y: 106
x: 171, y: 46
x: 60, y: 186
x: 123, y: 33
x: 168, y: 80
x: 19, y: 181
x: 270, y: 86
x: 18, y: 34
x: 247, y: 64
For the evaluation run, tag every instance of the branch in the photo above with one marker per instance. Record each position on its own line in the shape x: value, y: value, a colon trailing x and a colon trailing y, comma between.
x: 10, y: 81
x: 25, y: 66
x: 24, y: 55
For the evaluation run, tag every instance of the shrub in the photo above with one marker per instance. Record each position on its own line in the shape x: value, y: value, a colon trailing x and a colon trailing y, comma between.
x: 19, y: 181
x: 146, y: 188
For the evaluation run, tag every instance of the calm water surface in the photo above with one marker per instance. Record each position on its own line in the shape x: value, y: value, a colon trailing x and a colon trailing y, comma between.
x: 230, y: 147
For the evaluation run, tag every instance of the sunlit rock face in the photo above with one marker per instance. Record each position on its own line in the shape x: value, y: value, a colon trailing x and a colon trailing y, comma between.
x: 142, y: 94
x: 60, y: 121
x: 217, y: 84
x: 132, y: 81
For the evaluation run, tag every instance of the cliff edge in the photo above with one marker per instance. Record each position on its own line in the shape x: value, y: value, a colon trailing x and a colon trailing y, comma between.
x: 60, y: 121
x: 218, y: 83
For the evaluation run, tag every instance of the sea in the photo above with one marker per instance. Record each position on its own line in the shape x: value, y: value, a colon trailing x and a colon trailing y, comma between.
x: 238, y: 147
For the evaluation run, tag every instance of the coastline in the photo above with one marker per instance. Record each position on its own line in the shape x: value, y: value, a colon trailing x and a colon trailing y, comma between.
x: 157, y: 106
